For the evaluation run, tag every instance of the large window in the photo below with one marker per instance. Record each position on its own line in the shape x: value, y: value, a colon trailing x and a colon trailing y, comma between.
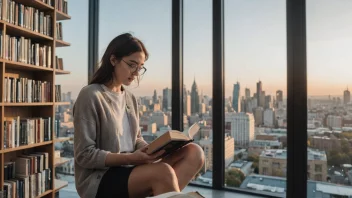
x: 150, y: 21
x: 329, y: 43
x: 197, y: 75
x: 255, y: 95
x: 75, y: 60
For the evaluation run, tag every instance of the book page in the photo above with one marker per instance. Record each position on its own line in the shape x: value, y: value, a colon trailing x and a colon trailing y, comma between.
x: 192, y: 130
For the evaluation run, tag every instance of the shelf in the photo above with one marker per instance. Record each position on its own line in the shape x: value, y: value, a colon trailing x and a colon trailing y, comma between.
x: 62, y: 103
x: 59, y: 184
x: 59, y: 71
x: 60, y: 161
x: 26, y: 147
x: 60, y: 43
x: 45, y: 193
x: 36, y: 4
x: 28, y: 104
x: 24, y: 66
x: 61, y: 16
x: 63, y: 139
x: 14, y: 30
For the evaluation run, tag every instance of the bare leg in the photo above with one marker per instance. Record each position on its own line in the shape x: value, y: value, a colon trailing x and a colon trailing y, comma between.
x: 152, y: 179
x: 186, y: 162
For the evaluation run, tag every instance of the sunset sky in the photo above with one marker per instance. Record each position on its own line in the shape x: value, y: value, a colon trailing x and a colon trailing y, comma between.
x: 255, y: 43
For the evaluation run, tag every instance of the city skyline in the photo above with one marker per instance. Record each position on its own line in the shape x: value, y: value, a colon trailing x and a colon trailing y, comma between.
x: 255, y: 44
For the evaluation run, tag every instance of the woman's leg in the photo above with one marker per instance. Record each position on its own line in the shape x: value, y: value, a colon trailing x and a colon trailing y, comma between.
x: 186, y: 162
x: 152, y: 179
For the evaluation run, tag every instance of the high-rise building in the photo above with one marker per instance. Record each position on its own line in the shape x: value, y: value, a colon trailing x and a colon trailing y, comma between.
x: 166, y: 99
x: 258, y: 116
x: 241, y: 127
x: 268, y: 102
x: 259, y: 91
x: 269, y: 117
x: 247, y: 93
x: 346, y: 96
x: 194, y: 98
x: 236, y: 104
x: 155, y: 97
x: 279, y: 98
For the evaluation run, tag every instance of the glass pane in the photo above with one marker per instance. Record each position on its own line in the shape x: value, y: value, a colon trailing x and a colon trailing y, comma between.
x: 255, y: 91
x: 151, y: 23
x: 198, y: 79
x: 75, y: 60
x: 329, y: 43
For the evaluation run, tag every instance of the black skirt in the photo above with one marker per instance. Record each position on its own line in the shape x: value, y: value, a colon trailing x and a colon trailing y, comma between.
x: 114, y: 183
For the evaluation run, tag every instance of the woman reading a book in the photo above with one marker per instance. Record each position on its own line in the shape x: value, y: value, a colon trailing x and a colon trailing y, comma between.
x: 110, y: 153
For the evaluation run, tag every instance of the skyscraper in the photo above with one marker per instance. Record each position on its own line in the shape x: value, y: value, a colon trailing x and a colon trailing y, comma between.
x: 247, y: 93
x: 236, y: 104
x: 259, y: 91
x: 279, y: 96
x: 346, y: 96
x: 194, y: 98
x: 166, y: 99
x: 155, y: 97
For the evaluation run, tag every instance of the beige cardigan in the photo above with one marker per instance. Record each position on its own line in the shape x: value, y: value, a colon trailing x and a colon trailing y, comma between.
x: 96, y: 135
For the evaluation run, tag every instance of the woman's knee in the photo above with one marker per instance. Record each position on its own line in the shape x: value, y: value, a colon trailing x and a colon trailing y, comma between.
x: 164, y: 172
x: 196, y: 153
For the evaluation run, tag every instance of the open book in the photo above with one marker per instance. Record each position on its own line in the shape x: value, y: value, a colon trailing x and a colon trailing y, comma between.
x: 179, y: 195
x: 173, y: 140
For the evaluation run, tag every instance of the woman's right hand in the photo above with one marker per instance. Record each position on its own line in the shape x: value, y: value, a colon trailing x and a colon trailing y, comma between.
x: 140, y: 157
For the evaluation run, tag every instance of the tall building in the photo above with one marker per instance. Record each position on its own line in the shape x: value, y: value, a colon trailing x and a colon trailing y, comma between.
x: 268, y: 102
x: 166, y: 99
x: 259, y: 91
x: 279, y: 96
x: 241, y: 127
x: 207, y: 145
x: 155, y: 97
x: 334, y: 121
x: 269, y: 117
x: 194, y: 98
x: 346, y: 96
x: 236, y: 104
x: 247, y: 93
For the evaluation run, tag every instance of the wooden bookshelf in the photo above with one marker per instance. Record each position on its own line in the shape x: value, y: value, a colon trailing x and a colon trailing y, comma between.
x: 41, y: 71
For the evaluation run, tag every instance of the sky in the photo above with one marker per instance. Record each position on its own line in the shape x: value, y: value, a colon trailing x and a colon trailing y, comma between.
x: 255, y: 43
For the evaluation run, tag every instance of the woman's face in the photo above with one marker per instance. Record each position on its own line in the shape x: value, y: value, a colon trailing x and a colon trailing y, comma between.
x: 128, y: 68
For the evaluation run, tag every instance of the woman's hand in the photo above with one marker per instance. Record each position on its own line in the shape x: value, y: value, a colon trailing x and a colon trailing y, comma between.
x: 140, y: 157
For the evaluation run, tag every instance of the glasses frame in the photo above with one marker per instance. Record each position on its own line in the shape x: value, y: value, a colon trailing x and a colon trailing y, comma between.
x: 136, y: 69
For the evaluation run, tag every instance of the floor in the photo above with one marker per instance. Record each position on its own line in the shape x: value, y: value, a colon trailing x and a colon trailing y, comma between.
x: 208, y: 193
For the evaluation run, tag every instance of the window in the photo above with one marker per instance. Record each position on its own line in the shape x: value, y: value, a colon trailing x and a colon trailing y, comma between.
x: 329, y: 42
x: 197, y: 75
x: 151, y: 23
x: 75, y: 60
x: 255, y: 90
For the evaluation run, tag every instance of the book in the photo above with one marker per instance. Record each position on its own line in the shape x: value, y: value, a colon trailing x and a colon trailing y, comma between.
x: 179, y: 195
x: 173, y: 140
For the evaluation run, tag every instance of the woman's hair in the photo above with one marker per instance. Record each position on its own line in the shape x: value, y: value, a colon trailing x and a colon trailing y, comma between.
x: 121, y: 46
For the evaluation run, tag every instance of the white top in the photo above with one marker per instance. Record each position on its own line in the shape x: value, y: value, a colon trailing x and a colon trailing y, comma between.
x: 118, y: 101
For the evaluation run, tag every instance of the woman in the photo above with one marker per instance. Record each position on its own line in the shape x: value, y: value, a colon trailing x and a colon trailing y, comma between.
x: 110, y: 157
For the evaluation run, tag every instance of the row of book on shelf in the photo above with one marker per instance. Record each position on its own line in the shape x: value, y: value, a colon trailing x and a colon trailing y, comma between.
x: 21, y: 131
x: 28, y: 176
x: 31, y: 18
x: 26, y: 17
x: 24, y: 90
x: 24, y: 50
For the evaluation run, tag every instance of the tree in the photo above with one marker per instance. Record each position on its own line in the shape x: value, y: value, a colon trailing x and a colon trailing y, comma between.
x: 253, y: 158
x: 234, y: 178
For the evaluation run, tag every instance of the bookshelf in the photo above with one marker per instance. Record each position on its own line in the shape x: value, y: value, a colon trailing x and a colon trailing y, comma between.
x: 27, y: 57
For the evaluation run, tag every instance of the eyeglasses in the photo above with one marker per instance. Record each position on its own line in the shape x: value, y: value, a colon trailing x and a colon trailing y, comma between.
x: 134, y: 68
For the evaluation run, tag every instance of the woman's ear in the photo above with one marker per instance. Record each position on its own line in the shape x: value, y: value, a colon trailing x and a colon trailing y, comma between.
x: 113, y: 60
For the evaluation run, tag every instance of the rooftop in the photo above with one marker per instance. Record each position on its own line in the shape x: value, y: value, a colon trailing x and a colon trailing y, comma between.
x: 277, y: 185
x: 282, y: 154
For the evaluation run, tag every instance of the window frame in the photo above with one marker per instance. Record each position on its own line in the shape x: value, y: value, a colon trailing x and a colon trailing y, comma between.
x: 296, y: 89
